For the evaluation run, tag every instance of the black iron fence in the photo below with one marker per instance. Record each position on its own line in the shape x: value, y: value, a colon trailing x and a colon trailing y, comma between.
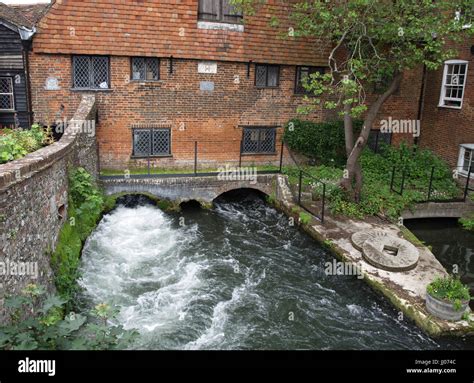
x: 400, y: 178
x: 202, y: 158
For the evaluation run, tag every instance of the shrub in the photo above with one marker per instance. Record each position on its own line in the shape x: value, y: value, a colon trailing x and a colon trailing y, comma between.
x: 449, y: 289
x: 16, y: 143
x: 305, y: 218
x: 46, y: 328
x: 467, y: 222
x: 322, y: 141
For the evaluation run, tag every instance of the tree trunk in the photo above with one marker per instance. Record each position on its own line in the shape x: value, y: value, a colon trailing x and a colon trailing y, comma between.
x: 348, y: 129
x: 352, y: 181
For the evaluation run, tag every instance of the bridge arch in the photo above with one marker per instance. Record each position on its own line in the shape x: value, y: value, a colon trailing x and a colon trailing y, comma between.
x: 204, y: 189
x: 232, y: 189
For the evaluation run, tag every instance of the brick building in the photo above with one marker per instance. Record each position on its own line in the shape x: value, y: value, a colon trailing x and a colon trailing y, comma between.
x: 169, y: 73
x: 448, y: 111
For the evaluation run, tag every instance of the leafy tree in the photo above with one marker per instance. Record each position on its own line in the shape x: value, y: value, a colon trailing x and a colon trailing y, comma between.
x: 369, y: 42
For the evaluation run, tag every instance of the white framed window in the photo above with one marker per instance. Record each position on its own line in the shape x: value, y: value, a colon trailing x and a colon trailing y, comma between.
x: 466, y: 159
x: 7, y: 99
x: 454, y: 83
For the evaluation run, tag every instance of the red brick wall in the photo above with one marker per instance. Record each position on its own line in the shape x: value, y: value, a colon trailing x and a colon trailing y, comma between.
x: 212, y: 118
x: 444, y: 129
x: 403, y: 105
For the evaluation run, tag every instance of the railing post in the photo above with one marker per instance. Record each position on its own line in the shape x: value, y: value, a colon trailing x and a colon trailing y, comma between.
x: 391, y: 181
x: 403, y: 183
x: 431, y: 183
x: 240, y: 155
x: 324, y: 203
x: 466, y: 189
x: 195, y: 157
x: 299, y: 188
x: 281, y: 155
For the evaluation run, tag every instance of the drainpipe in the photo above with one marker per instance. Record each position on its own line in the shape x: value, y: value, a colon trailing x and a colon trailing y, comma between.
x: 26, y: 64
x: 421, y: 103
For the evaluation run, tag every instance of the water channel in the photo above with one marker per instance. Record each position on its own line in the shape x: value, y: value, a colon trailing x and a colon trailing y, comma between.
x: 238, y: 276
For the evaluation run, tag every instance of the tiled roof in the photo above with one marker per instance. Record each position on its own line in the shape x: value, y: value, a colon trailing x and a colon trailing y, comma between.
x: 169, y: 28
x: 13, y: 16
x: 32, y: 12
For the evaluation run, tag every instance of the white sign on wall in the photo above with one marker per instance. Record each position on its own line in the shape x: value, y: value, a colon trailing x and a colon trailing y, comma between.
x: 209, y: 67
x: 52, y: 83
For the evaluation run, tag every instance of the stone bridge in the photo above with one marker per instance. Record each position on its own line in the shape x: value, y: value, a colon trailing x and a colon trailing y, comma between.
x: 204, y: 189
x: 440, y: 210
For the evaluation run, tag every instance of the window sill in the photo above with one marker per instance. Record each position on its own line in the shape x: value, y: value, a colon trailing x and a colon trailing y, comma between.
x: 260, y: 154
x: 91, y: 90
x: 150, y: 157
x: 219, y: 25
x: 449, y: 106
x: 146, y: 82
x: 8, y: 111
x: 464, y: 174
x: 267, y: 87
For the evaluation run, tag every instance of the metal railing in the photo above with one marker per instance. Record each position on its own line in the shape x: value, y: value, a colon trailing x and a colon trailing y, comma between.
x: 204, y: 158
x: 311, y: 206
x: 430, y: 189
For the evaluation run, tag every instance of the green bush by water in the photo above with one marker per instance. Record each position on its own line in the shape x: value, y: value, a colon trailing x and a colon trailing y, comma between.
x: 467, y: 223
x: 86, y: 204
x: 47, y: 328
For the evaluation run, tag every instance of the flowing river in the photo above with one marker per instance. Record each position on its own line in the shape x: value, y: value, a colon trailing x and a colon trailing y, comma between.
x: 238, y: 276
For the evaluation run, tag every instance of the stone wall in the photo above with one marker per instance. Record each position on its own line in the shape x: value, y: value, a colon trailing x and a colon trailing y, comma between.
x: 33, y: 204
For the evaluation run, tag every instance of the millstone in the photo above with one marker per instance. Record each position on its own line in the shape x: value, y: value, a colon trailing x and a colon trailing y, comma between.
x: 358, y: 239
x: 390, y: 253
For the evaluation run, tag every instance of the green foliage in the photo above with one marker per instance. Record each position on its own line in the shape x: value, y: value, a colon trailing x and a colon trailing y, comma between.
x: 271, y: 199
x: 305, y: 218
x: 86, y: 204
x: 377, y: 199
x: 16, y: 143
x: 373, y: 40
x: 467, y: 222
x: 46, y: 328
x: 322, y: 141
x: 449, y: 289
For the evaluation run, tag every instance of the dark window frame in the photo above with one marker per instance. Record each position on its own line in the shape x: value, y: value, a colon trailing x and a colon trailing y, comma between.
x: 377, y: 140
x: 146, y: 59
x: 151, y: 151
x: 220, y: 17
x: 259, y: 129
x: 12, y: 95
x: 266, y: 86
x: 299, y: 88
x: 90, y: 88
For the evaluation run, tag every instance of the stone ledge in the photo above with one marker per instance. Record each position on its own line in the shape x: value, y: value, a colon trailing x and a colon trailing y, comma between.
x: 405, y: 290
